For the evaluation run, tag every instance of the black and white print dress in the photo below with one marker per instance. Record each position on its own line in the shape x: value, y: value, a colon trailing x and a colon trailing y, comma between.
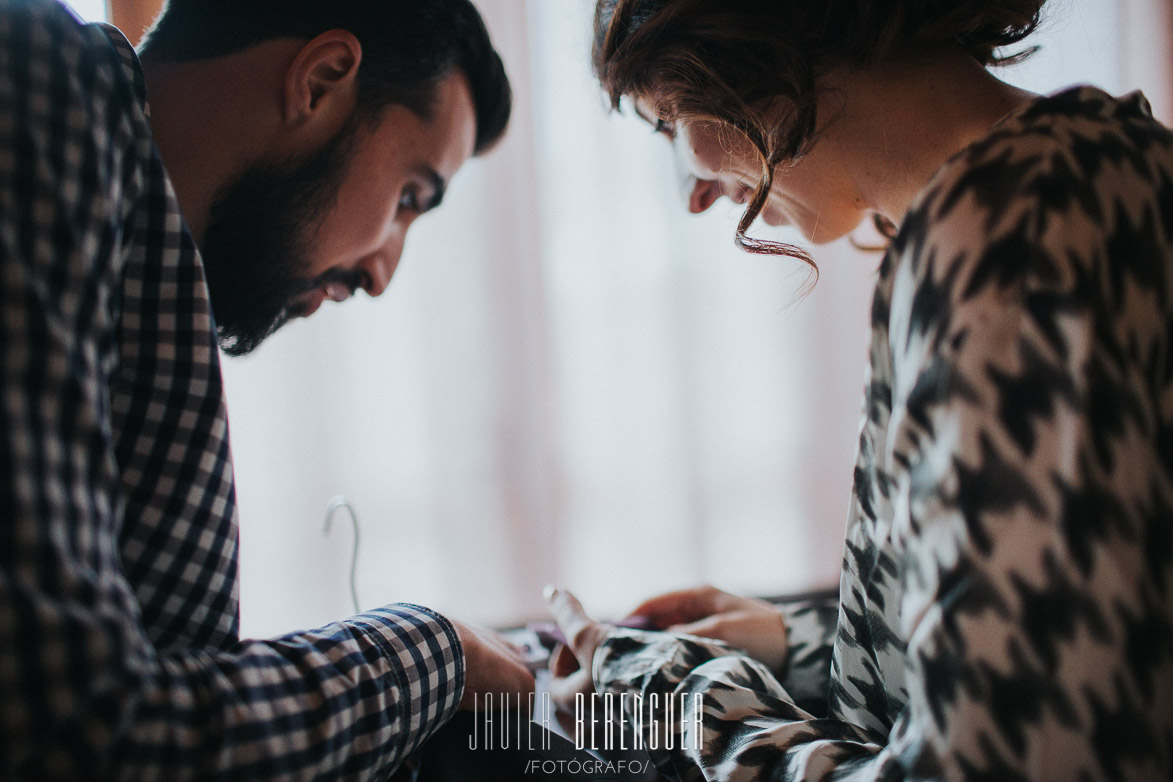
x: 1006, y: 601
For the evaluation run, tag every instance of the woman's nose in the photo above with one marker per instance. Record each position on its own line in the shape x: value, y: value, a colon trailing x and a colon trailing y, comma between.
x: 704, y: 193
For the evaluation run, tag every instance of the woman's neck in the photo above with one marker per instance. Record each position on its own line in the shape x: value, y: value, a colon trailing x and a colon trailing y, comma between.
x: 897, y: 122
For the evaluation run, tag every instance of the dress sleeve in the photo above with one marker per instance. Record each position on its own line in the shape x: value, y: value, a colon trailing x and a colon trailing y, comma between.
x: 1030, y: 529
x: 84, y: 693
x: 748, y: 727
x: 810, y: 636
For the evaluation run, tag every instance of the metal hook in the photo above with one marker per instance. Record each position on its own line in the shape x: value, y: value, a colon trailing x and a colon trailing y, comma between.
x: 341, y: 502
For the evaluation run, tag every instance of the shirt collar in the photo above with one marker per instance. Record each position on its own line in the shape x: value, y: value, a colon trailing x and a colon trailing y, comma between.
x: 131, y: 66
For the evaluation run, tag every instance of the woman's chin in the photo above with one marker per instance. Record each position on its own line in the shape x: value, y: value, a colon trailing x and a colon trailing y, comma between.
x: 814, y: 233
x: 825, y: 233
x: 819, y: 235
x: 822, y: 237
x: 774, y: 219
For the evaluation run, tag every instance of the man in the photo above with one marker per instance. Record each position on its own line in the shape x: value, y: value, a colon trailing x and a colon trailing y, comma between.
x: 280, y: 151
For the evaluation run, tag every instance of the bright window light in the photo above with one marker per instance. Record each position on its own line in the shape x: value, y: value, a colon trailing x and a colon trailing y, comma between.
x: 90, y: 10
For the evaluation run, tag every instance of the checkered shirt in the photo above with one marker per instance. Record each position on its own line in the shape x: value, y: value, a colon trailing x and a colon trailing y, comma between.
x: 119, y: 648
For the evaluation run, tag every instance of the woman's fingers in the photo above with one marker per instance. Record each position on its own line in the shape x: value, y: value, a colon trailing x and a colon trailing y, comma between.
x: 681, y: 606
x: 709, y: 627
x: 758, y: 628
x: 562, y: 661
x: 564, y: 690
x: 583, y: 634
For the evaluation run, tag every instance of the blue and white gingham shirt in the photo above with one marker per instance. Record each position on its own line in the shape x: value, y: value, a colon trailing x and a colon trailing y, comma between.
x: 119, y: 648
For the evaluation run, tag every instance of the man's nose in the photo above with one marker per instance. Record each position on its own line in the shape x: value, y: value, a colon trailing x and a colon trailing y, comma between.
x: 378, y: 269
x: 704, y: 193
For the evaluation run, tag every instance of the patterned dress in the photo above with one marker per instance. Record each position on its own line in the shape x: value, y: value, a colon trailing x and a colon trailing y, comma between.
x: 1006, y: 601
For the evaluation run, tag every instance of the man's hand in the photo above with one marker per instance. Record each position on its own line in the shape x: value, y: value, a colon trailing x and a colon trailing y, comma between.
x: 744, y: 622
x: 492, y: 665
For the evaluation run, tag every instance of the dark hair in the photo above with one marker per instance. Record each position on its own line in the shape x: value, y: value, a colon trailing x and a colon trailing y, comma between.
x: 737, y: 62
x: 408, y: 46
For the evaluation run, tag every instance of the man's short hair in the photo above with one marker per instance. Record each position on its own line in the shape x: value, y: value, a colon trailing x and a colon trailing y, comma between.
x: 409, y: 46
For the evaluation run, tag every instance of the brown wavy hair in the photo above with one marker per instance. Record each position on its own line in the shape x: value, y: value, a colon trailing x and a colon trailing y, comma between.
x: 752, y: 65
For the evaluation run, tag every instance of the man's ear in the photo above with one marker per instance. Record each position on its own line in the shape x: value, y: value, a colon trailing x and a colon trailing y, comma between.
x: 322, y: 77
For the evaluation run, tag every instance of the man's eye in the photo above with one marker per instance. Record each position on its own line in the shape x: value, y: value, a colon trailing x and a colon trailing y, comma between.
x: 665, y: 128
x: 410, y: 200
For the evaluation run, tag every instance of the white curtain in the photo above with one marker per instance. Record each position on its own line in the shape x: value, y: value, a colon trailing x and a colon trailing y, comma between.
x: 572, y: 380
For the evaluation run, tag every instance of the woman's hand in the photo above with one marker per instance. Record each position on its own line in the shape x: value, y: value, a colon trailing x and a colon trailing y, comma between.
x: 583, y: 634
x: 571, y: 662
x: 746, y: 623
x: 743, y: 622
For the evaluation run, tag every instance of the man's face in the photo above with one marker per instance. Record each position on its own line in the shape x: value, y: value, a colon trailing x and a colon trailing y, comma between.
x: 284, y: 237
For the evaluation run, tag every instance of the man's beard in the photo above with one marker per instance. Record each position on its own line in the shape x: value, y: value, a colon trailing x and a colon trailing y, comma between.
x: 255, y: 247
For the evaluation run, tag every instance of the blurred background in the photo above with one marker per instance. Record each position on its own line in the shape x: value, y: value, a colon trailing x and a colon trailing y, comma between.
x: 572, y: 380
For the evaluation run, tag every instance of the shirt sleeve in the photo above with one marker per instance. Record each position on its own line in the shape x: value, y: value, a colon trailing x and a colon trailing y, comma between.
x: 84, y: 694
x: 351, y: 700
x: 1030, y: 530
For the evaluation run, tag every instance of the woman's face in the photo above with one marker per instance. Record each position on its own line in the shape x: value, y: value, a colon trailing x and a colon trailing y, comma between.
x: 815, y: 195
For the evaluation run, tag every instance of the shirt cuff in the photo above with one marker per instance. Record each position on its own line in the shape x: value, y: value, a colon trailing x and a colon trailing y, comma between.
x: 425, y: 649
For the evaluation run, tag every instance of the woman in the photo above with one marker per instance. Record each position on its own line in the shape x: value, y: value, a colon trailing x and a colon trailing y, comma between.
x: 1006, y: 601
